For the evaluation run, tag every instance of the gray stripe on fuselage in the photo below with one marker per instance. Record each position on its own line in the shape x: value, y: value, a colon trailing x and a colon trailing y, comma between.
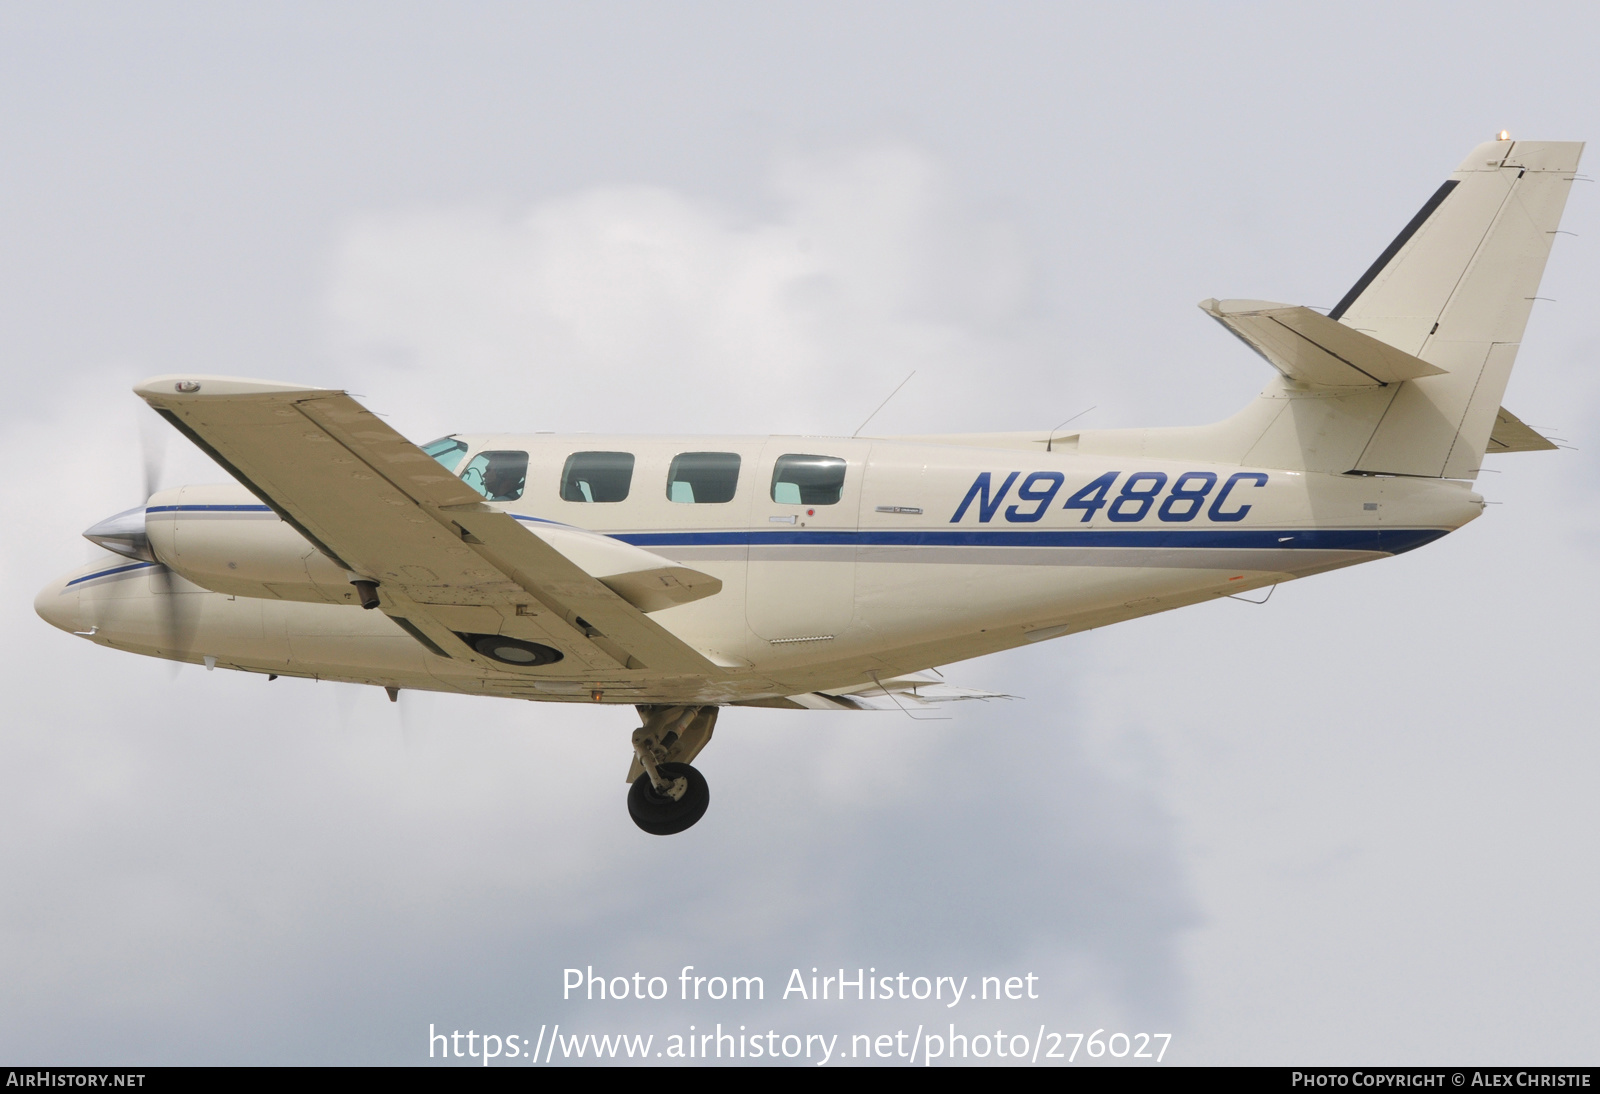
x: 1178, y: 558
x: 704, y: 554
x: 215, y: 514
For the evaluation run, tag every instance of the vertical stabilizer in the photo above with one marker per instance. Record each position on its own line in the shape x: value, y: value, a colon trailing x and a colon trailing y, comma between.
x: 1455, y: 289
x: 1451, y: 294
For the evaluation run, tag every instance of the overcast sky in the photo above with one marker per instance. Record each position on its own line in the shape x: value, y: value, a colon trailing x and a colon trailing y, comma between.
x: 1357, y: 824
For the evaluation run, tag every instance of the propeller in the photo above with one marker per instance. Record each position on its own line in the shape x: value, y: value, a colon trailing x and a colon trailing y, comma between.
x: 126, y: 534
x: 152, y: 452
x: 177, y: 624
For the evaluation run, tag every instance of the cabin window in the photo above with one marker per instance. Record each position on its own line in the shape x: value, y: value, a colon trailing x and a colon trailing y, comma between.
x: 700, y: 478
x: 807, y: 480
x: 447, y: 450
x: 498, y: 476
x: 597, y: 476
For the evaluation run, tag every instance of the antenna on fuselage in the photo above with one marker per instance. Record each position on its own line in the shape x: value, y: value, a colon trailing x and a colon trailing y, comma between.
x: 896, y: 702
x: 1049, y: 444
x: 885, y: 403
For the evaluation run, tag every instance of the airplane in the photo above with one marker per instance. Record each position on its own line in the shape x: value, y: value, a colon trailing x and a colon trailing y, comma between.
x: 685, y: 574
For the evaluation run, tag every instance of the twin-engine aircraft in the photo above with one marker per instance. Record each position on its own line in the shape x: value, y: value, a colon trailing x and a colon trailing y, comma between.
x: 685, y: 574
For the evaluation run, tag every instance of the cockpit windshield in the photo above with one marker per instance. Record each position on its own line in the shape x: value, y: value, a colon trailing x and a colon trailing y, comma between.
x: 447, y: 450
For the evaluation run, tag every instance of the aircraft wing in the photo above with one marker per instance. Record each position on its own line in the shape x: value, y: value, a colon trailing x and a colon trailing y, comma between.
x: 447, y: 564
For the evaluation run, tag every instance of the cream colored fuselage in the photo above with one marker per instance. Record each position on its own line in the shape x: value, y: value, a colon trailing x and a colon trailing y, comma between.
x: 921, y: 562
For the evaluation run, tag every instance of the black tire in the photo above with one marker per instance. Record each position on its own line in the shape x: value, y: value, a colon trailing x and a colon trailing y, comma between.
x: 657, y: 813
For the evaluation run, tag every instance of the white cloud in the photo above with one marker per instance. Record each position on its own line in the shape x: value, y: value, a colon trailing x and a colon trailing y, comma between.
x: 638, y: 308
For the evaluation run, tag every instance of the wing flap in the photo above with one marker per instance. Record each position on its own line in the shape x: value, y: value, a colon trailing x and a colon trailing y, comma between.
x: 914, y: 691
x: 1314, y: 349
x: 382, y: 508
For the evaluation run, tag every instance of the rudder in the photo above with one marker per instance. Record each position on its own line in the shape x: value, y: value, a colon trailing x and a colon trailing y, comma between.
x: 1455, y: 289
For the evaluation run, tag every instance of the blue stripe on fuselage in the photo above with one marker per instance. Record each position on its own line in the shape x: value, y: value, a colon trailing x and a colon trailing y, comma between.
x: 108, y: 573
x: 1391, y: 541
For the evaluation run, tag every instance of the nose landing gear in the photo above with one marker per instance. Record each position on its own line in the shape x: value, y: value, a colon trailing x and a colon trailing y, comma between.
x: 666, y: 795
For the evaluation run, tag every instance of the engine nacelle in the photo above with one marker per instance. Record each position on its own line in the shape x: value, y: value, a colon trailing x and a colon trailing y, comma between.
x: 222, y: 538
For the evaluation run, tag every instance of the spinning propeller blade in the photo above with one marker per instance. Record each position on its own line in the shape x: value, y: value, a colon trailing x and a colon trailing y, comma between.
x: 176, y: 622
x: 175, y: 625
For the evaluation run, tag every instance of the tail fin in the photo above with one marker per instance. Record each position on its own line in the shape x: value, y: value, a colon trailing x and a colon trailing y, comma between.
x: 1452, y: 294
x: 1455, y: 289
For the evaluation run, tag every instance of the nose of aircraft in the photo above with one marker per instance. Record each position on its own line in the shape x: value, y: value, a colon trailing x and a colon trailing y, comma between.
x: 57, y: 605
x: 60, y: 603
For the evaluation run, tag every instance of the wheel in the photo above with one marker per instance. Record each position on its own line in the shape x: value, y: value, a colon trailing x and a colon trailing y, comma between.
x: 657, y: 813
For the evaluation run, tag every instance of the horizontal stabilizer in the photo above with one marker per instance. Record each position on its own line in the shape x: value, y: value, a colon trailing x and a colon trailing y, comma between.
x: 1314, y: 349
x: 1511, y: 435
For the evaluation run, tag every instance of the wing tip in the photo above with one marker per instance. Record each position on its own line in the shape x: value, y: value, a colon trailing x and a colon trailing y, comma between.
x: 175, y: 387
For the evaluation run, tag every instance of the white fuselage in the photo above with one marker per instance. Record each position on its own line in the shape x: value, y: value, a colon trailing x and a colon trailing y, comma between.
x: 932, y: 553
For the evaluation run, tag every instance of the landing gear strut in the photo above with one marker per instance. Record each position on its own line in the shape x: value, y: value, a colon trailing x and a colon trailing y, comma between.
x: 666, y: 795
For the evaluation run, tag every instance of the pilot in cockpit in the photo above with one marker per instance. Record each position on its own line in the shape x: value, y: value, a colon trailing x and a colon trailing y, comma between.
x: 503, y: 480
